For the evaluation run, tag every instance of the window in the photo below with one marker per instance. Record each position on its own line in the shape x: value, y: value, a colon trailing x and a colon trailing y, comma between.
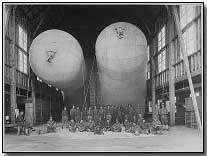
x: 22, y: 61
x: 189, y: 37
x: 190, y: 34
x: 22, y: 38
x: 161, y: 38
x: 148, y: 71
x: 162, y: 61
x: 187, y: 14
x: 148, y: 53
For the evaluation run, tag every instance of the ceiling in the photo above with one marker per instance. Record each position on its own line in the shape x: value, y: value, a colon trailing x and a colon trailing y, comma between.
x: 85, y: 22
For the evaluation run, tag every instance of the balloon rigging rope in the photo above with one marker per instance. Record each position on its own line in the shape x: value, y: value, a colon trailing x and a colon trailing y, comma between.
x: 83, y: 81
x: 89, y: 82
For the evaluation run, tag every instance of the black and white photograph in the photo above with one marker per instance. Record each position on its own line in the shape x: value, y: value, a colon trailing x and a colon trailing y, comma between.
x: 102, y: 77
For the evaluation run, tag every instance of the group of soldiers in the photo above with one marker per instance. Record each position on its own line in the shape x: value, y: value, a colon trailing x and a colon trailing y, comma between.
x: 110, y: 118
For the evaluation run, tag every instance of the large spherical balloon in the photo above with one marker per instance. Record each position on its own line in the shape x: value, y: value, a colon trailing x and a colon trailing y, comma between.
x: 121, y: 51
x: 56, y: 57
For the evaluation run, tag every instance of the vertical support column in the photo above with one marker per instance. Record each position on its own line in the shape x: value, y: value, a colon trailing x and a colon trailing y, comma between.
x: 186, y: 64
x: 153, y: 72
x: 171, y: 71
x: 13, y: 96
x: 33, y: 98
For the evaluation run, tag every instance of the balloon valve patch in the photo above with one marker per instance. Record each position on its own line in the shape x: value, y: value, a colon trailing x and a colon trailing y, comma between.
x: 50, y: 56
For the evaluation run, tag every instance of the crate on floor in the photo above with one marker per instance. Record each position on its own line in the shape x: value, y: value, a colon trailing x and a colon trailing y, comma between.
x: 190, y: 119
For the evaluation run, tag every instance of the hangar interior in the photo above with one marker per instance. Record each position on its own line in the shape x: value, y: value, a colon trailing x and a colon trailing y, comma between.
x: 165, y: 76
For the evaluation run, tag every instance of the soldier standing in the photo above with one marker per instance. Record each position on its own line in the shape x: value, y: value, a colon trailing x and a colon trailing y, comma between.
x: 95, y: 114
x: 77, y: 115
x: 72, y: 113
x: 108, y: 113
x: 163, y: 116
x: 90, y: 114
x: 101, y: 113
x: 84, y: 114
x: 119, y: 115
x: 131, y: 112
x: 64, y: 117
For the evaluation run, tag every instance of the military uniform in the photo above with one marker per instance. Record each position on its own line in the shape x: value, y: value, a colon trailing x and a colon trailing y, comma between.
x: 108, y: 114
x: 81, y: 126
x: 117, y: 127
x: 72, y: 126
x: 119, y: 115
x: 102, y: 114
x: 77, y: 115
x: 90, y: 114
x: 136, y: 130
x: 90, y: 126
x: 144, y: 127
x: 20, y: 123
x: 127, y: 126
x: 84, y: 115
x: 98, y: 128
x: 50, y: 126
x: 72, y: 113
x: 156, y: 126
x: 64, y: 117
x: 107, y: 125
x: 131, y: 113
x: 95, y: 115
x: 163, y: 116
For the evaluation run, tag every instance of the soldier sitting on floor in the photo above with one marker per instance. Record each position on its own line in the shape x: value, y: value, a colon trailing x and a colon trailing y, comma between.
x: 157, y: 126
x: 90, y: 125
x: 98, y: 128
x: 81, y: 126
x: 117, y: 126
x: 72, y: 126
x: 136, y: 130
x: 107, y: 126
x: 144, y: 127
x: 50, y: 125
x: 127, y: 126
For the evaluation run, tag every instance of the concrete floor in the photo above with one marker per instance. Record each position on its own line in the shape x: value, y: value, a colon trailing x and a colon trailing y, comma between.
x: 178, y: 139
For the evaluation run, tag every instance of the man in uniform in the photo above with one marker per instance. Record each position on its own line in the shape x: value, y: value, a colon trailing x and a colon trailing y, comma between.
x: 139, y: 119
x: 81, y: 126
x: 144, y: 127
x: 131, y: 112
x: 134, y: 119
x: 20, y: 122
x: 157, y: 126
x: 119, y: 115
x: 90, y: 125
x: 101, y: 114
x: 95, y: 114
x: 77, y: 115
x: 163, y: 116
x: 117, y: 126
x: 90, y: 114
x: 64, y: 117
x: 84, y: 114
x: 72, y: 113
x: 107, y: 125
x: 50, y: 125
x: 108, y: 113
x: 127, y: 126
x: 98, y: 127
x: 72, y: 126
x: 136, y: 130
x: 113, y: 113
